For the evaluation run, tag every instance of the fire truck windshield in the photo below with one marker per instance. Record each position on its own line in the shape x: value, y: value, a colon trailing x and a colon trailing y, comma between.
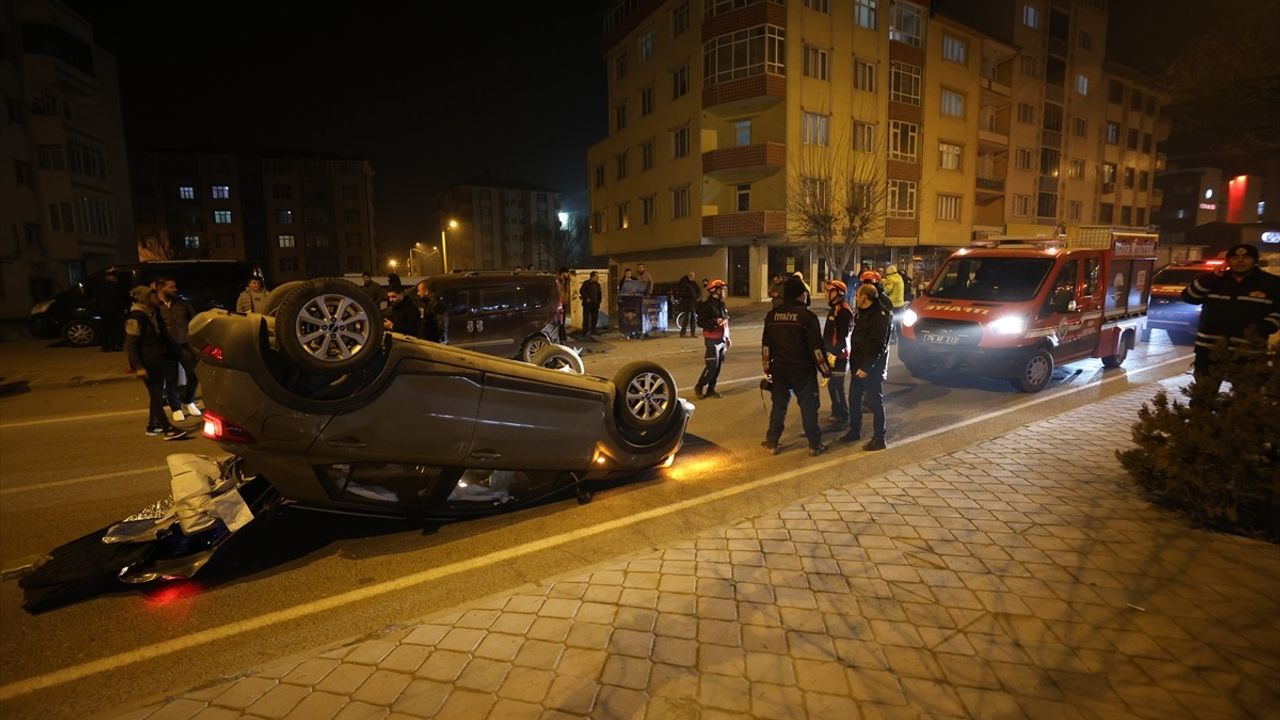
x: 1000, y: 279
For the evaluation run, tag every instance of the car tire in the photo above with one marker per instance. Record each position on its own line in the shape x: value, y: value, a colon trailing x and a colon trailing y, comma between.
x: 647, y: 396
x: 1037, y: 371
x: 1114, y: 361
x: 532, y: 345
x: 329, y: 326
x: 80, y: 333
x: 559, y: 358
x: 277, y: 296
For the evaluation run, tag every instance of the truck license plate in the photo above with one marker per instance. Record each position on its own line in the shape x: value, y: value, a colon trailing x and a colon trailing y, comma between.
x: 942, y: 339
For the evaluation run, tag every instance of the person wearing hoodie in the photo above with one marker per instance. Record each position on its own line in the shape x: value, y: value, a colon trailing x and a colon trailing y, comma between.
x: 868, y: 366
x: 894, y: 288
x: 252, y: 297
x: 148, y: 346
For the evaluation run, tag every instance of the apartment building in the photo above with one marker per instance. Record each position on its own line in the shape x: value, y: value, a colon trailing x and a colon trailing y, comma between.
x: 64, y: 178
x: 500, y: 224
x: 1211, y: 202
x: 297, y: 214
x: 994, y: 118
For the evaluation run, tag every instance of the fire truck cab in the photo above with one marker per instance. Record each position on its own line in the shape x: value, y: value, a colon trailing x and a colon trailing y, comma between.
x: 1017, y: 308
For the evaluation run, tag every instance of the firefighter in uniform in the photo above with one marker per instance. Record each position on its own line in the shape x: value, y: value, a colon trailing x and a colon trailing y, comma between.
x: 713, y: 318
x: 868, y: 365
x: 791, y: 351
x: 1245, y: 299
x: 835, y: 338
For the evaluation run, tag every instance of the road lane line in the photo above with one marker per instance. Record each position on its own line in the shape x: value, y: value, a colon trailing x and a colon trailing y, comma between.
x: 333, y: 602
x: 86, y: 478
x: 72, y: 418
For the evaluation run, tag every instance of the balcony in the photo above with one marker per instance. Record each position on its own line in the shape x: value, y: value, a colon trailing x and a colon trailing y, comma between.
x: 744, y: 95
x: 1000, y: 91
x: 752, y: 224
x: 748, y: 14
x: 989, y: 185
x: 747, y: 163
x: 993, y: 136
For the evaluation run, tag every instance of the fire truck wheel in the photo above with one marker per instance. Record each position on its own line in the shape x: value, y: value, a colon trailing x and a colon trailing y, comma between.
x: 1114, y: 361
x: 1036, y: 372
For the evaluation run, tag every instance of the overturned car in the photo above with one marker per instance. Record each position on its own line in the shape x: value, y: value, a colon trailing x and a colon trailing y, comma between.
x: 321, y: 408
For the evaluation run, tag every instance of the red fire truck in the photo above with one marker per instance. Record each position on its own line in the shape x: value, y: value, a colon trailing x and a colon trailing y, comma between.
x: 1017, y: 307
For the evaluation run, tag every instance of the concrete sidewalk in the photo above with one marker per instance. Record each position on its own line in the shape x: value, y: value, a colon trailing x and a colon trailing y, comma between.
x: 1022, y: 577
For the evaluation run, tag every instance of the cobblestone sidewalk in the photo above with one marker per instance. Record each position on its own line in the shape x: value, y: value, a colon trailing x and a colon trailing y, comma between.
x: 1020, y: 578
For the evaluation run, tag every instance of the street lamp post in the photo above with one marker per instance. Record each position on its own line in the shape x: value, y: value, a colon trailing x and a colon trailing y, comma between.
x: 444, y: 245
x: 416, y: 248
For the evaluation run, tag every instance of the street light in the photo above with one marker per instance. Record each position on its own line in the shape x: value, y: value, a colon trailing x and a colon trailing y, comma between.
x: 417, y: 248
x: 393, y: 264
x: 444, y: 245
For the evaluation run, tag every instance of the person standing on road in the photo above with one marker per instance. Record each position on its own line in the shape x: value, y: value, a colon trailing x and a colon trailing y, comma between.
x: 643, y: 276
x: 564, y: 284
x: 252, y: 297
x: 108, y: 302
x: 592, y: 295
x: 1243, y: 301
x: 687, y: 293
x: 435, y: 314
x: 868, y: 365
x: 872, y: 278
x: 713, y: 318
x: 375, y: 291
x: 177, y: 312
x: 835, y: 338
x: 775, y: 290
x: 908, y: 292
x: 791, y: 351
x: 149, y: 347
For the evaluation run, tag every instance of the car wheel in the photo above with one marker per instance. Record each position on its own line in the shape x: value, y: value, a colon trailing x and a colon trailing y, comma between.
x: 532, y: 345
x: 329, y: 326
x: 1036, y: 372
x: 559, y: 357
x: 277, y: 296
x: 80, y: 333
x: 1114, y: 361
x: 646, y: 396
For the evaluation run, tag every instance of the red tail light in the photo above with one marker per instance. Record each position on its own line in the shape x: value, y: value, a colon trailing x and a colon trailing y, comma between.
x: 217, y: 428
x: 211, y: 351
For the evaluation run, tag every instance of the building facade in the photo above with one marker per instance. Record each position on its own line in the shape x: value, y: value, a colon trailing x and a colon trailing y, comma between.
x: 296, y: 215
x: 1010, y: 122
x: 64, y: 177
x: 500, y: 224
x: 1210, y: 203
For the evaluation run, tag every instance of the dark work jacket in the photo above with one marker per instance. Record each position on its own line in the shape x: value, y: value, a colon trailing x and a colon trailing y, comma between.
x: 435, y: 319
x: 708, y: 312
x: 792, y: 336
x: 152, y: 346
x: 869, y: 341
x: 590, y: 292
x: 177, y: 317
x: 835, y: 334
x: 404, y: 317
x: 1232, y: 307
x: 687, y: 292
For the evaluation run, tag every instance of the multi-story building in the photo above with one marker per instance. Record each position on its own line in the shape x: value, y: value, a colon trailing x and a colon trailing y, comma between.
x: 1212, y: 202
x: 997, y: 118
x: 499, y: 224
x: 295, y: 214
x: 64, y: 179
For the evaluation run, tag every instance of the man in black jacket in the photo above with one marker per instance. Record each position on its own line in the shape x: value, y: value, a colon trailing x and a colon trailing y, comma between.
x: 177, y: 312
x: 148, y: 347
x: 591, y: 295
x: 868, y: 364
x: 791, y: 352
x: 835, y: 338
x: 713, y: 318
x: 1236, y: 303
x: 402, y: 313
x: 687, y: 292
x: 435, y: 314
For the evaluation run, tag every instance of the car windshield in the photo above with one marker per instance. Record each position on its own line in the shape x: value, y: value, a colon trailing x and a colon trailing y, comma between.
x: 1179, y: 276
x: 991, y: 278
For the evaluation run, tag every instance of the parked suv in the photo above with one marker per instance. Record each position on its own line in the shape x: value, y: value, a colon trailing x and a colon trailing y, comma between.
x: 73, y: 315
x: 512, y: 315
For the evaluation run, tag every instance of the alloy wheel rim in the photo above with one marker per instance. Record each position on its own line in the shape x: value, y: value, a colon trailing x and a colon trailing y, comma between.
x: 80, y: 333
x: 648, y: 396
x: 332, y: 327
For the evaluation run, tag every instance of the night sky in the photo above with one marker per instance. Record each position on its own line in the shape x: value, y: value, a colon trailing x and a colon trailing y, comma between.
x: 431, y: 93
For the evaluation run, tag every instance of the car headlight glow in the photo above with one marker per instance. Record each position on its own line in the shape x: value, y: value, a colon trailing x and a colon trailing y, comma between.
x: 1008, y: 325
x: 909, y: 318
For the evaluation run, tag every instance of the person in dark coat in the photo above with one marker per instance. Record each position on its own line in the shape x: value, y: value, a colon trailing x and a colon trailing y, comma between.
x: 868, y: 365
x: 713, y: 318
x: 835, y: 339
x: 791, y: 352
x: 687, y: 294
x: 376, y: 292
x: 435, y: 314
x: 592, y: 294
x: 177, y: 311
x: 148, y: 346
x: 108, y: 302
x: 402, y: 313
x: 1238, y: 299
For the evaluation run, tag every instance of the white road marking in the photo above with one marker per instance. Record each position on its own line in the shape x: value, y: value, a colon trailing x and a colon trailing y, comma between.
x: 333, y: 602
x: 72, y: 418
x: 86, y: 478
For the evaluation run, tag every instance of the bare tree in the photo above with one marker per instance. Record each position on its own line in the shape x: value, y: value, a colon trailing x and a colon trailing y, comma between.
x: 565, y: 246
x: 836, y: 195
x: 152, y: 247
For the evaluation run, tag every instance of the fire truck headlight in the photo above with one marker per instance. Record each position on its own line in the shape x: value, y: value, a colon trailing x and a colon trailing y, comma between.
x: 909, y: 318
x: 1008, y: 325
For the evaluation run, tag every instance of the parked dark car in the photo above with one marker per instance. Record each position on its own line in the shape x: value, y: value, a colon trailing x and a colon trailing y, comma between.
x: 511, y: 315
x: 72, y: 315
x: 1167, y: 311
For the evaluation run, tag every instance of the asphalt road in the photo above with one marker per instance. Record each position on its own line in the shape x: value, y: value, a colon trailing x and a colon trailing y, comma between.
x: 76, y: 460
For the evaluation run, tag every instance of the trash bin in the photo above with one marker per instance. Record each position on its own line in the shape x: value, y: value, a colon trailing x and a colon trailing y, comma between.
x: 640, y: 316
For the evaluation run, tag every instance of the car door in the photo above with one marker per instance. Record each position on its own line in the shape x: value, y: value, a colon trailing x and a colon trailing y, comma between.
x: 494, y: 320
x: 1064, y: 308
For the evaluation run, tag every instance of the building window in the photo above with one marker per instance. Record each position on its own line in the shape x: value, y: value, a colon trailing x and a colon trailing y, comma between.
x: 904, y: 83
x: 1080, y: 127
x: 860, y: 196
x: 680, y: 202
x: 902, y: 140
x: 284, y: 217
x: 948, y: 207
x: 1052, y: 117
x: 1106, y: 213
x: 680, y: 81
x: 599, y: 174
x: 1049, y: 161
x: 620, y: 165
x: 1126, y: 215
x: 744, y: 198
x: 1047, y: 205
x: 1129, y: 176
x: 22, y: 173
x: 50, y: 157
x: 955, y: 49
x: 1108, y: 176
x: 350, y: 216
x: 1146, y: 142
x: 816, y: 192
x: 1112, y: 133
x: 679, y: 19
x: 680, y: 141
x: 1144, y: 181
x: 282, y: 192
x: 620, y: 66
x: 1084, y: 40
x: 619, y: 116
x: 1026, y: 113
x: 902, y: 199
x: 1082, y: 84
x: 1139, y: 216
x: 864, y: 13
x: 647, y: 204
x: 624, y: 216
x: 645, y: 46
x: 949, y: 156
x: 1029, y: 66
x: 288, y: 263
x: 221, y: 192
x: 864, y: 75
x: 814, y: 129
x: 191, y: 242
x: 906, y: 21
x: 186, y: 192
x: 1115, y: 92
x: 822, y: 6
x: 287, y: 241
x: 646, y: 101
x: 1022, y: 205
x: 646, y: 156
x: 742, y: 133
x: 1075, y: 170
x: 222, y: 217
x: 817, y: 63
x: 354, y: 240
x: 1073, y: 211
x: 747, y: 53
x: 1131, y: 141
x: 1031, y: 16
x: 864, y: 137
x: 952, y: 103
x: 1022, y: 158
x: 597, y: 221
x: 1135, y: 100
x: 1150, y: 108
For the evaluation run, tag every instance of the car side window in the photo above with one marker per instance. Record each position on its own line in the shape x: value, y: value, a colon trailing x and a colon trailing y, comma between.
x: 1064, y: 287
x: 1092, y: 272
x: 496, y: 299
x: 534, y: 295
x: 459, y: 301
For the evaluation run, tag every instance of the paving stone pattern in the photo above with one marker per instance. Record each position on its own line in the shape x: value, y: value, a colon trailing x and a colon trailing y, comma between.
x: 1022, y: 577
